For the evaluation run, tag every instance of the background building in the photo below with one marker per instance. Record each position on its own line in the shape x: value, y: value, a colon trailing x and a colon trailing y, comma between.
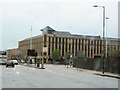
x: 13, y: 53
x: 78, y: 45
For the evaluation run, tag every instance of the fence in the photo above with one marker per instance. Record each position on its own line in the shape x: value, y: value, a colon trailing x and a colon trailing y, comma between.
x: 111, y: 64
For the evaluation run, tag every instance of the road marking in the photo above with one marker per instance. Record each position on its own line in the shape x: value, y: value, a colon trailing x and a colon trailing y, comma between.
x: 33, y: 69
x: 61, y: 74
x: 50, y: 71
x: 17, y: 72
x: 55, y: 73
x: 14, y: 69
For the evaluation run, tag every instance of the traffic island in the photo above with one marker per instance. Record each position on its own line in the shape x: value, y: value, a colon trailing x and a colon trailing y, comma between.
x: 41, y: 68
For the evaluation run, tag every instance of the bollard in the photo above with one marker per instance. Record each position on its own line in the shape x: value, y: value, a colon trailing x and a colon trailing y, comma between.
x: 42, y: 66
x: 38, y: 64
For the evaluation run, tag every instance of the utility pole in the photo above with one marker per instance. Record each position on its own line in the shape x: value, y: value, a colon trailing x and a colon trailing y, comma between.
x: 106, y: 35
x: 31, y: 39
x: 31, y: 44
x: 103, y: 67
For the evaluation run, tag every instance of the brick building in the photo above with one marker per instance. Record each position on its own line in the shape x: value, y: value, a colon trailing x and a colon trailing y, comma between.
x: 89, y: 46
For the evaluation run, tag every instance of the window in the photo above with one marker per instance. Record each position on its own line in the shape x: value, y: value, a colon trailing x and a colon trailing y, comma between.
x: 69, y: 44
x: 82, y: 44
x: 52, y: 43
x: 97, y: 46
x: 85, y: 47
x: 59, y: 43
x: 45, y: 40
x: 73, y: 46
x: 100, y: 46
x: 79, y: 44
x: 66, y: 44
x: 56, y: 42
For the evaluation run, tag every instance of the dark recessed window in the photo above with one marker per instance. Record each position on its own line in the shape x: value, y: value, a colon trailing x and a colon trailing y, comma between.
x: 52, y: 43
x: 60, y: 44
x: 79, y: 44
x: 66, y: 44
x: 73, y: 46
x: 56, y: 42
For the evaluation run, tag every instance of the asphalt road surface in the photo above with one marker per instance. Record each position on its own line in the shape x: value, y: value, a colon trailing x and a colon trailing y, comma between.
x: 54, y: 76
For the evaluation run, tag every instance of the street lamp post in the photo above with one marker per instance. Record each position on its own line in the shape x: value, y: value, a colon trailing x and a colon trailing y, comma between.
x: 103, y: 33
x: 106, y: 35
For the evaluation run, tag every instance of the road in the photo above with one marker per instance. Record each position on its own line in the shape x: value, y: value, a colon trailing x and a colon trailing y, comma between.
x: 54, y: 76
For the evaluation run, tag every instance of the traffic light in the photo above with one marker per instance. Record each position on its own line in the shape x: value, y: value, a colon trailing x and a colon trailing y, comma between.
x: 35, y: 53
x: 31, y: 52
x: 4, y: 53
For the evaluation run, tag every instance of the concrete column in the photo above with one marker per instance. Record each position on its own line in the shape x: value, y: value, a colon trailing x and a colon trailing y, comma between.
x: 87, y: 49
x: 47, y: 51
x: 64, y: 46
x: 110, y: 47
x: 90, y: 49
x: 99, y: 46
x: 102, y: 47
x: 77, y: 44
x: 71, y: 45
x: 80, y: 44
x: 93, y: 50
x: 42, y: 50
x: 96, y: 48
x: 84, y: 47
x: 74, y: 46
x: 68, y: 45
x: 50, y: 46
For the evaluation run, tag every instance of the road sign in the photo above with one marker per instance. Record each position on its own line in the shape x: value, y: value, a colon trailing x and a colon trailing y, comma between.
x: 44, y: 49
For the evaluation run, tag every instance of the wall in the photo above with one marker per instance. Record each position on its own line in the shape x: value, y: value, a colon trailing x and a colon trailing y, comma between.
x: 111, y: 64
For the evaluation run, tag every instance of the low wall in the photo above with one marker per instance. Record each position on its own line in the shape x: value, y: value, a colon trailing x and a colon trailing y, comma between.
x: 111, y: 64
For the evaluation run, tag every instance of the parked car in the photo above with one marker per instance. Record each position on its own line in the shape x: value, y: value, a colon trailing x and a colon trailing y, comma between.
x: 10, y: 63
x: 15, y: 61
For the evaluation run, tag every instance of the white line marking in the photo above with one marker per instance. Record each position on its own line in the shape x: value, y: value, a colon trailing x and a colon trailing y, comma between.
x: 17, y: 72
x: 14, y: 69
x: 33, y: 69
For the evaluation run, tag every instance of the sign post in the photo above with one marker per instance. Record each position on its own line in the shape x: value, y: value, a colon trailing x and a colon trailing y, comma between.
x: 44, y: 51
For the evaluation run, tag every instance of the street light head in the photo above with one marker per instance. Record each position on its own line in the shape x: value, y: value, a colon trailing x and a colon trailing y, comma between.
x: 95, y: 6
x: 107, y: 18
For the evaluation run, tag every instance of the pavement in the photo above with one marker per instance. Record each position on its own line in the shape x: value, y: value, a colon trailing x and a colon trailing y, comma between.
x: 106, y: 74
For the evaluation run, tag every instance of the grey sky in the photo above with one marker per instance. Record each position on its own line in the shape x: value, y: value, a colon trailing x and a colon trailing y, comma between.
x: 75, y: 16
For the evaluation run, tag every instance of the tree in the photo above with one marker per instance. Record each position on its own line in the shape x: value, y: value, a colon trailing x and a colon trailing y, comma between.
x: 68, y: 53
x: 56, y: 55
x: 115, y: 53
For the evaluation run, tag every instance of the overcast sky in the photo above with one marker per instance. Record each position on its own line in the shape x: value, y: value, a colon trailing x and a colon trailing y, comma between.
x: 75, y: 16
